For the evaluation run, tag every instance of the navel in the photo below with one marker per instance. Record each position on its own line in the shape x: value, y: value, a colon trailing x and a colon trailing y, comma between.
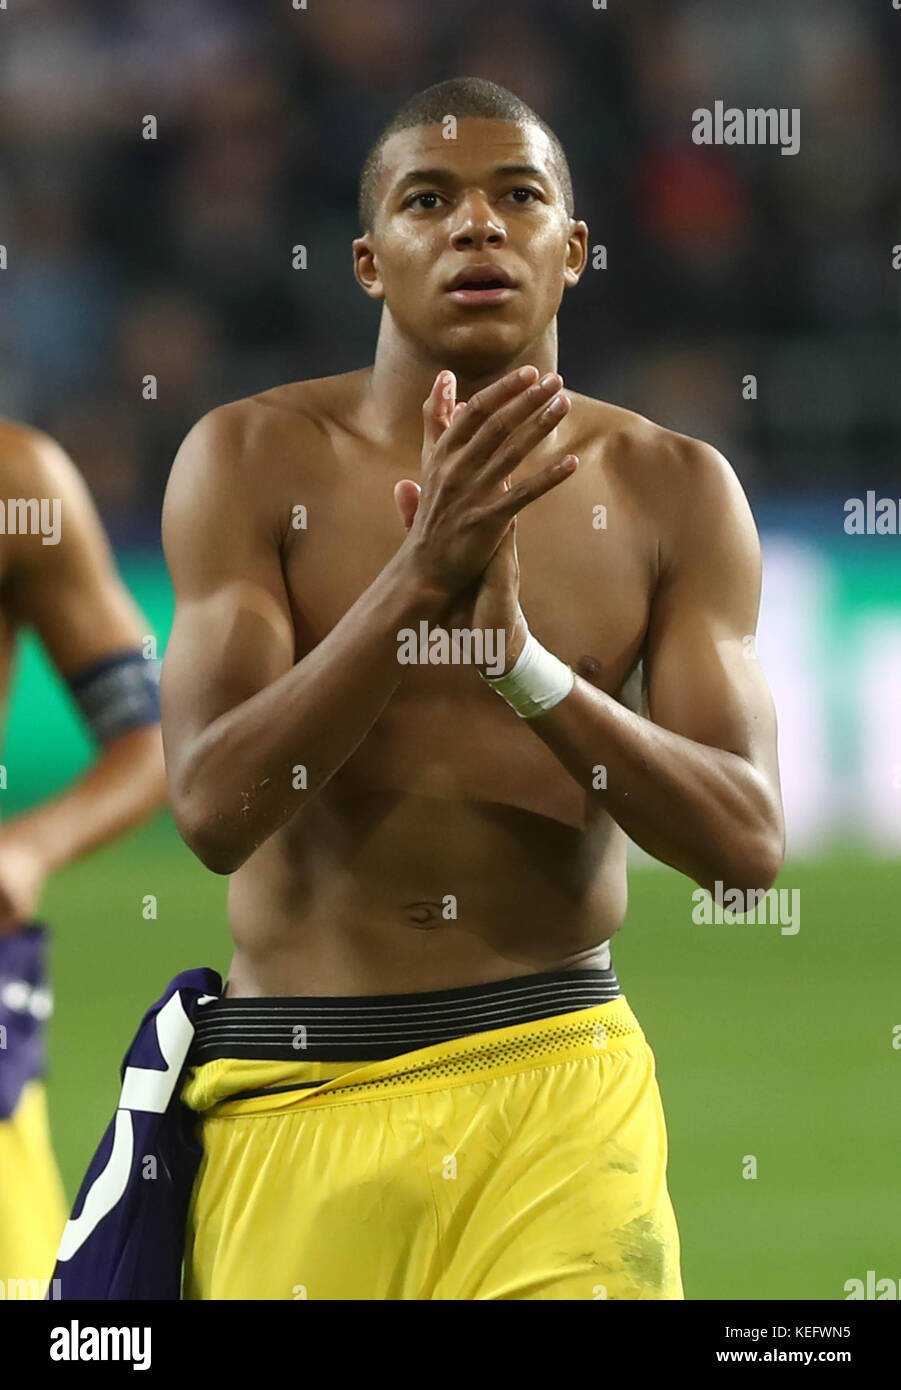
x: 424, y: 915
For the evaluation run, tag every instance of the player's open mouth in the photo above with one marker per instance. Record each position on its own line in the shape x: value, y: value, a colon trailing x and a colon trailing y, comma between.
x: 481, y: 285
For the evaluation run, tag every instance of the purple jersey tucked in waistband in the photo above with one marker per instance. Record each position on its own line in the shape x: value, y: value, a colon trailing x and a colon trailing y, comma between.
x: 126, y: 1235
x: 24, y: 1009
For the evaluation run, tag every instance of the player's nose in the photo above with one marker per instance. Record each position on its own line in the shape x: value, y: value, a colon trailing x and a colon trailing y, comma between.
x: 476, y: 225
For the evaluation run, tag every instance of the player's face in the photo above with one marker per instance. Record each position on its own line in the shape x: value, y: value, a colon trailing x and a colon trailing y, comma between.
x: 472, y: 246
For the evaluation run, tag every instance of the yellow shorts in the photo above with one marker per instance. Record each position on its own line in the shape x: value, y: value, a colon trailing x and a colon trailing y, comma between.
x: 527, y: 1162
x: 32, y: 1204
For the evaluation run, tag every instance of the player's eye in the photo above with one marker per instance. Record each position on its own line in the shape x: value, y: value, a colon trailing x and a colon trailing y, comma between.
x: 427, y: 202
x: 530, y: 195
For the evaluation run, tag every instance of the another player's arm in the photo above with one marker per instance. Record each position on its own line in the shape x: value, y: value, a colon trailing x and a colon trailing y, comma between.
x: 71, y: 594
x: 696, y: 784
x: 239, y: 715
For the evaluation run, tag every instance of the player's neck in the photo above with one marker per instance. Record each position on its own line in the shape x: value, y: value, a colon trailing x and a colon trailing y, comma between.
x: 403, y: 374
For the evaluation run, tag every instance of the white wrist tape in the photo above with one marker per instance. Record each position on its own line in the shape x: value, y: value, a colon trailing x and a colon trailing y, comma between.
x: 537, y: 682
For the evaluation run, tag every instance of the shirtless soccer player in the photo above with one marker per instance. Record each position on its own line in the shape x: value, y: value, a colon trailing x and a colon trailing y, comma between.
x: 58, y: 577
x: 424, y: 1081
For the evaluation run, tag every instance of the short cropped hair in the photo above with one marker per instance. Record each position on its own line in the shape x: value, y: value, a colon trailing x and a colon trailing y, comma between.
x: 461, y: 96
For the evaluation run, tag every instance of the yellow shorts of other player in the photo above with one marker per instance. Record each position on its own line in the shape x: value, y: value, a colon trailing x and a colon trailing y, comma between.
x: 32, y: 1203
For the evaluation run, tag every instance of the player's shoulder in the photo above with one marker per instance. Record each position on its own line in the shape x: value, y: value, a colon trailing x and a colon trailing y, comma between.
x: 229, y: 442
x: 319, y: 401
x: 649, y: 451
x: 298, y: 408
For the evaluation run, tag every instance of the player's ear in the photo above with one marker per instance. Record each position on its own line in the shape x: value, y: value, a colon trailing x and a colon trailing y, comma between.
x: 366, y: 268
x: 576, y: 252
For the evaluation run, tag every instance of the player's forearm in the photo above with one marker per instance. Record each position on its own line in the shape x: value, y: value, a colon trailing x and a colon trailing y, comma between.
x: 258, y: 764
x: 123, y: 786
x: 706, y: 812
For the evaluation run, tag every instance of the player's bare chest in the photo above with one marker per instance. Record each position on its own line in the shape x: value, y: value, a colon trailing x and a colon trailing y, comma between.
x: 587, y: 562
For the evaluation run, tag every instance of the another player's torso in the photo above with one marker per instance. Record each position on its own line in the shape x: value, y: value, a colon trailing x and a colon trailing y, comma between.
x: 452, y: 847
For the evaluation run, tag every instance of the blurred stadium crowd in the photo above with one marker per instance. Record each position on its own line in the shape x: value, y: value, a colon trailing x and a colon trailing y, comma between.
x: 172, y: 256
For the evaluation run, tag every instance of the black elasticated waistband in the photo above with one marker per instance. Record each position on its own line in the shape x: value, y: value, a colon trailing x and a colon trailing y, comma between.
x: 376, y: 1027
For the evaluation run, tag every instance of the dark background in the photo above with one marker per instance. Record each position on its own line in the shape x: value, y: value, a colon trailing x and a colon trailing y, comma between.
x: 173, y: 256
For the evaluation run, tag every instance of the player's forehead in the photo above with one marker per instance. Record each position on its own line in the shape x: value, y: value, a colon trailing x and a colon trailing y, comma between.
x: 470, y: 148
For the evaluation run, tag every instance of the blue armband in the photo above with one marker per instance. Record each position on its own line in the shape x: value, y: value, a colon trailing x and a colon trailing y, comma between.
x: 117, y: 694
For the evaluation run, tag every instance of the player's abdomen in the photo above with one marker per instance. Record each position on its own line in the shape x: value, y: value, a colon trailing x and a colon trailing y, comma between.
x: 392, y: 892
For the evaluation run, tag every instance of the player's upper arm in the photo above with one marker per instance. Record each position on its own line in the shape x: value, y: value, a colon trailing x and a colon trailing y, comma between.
x: 232, y: 633
x: 65, y: 583
x: 704, y: 678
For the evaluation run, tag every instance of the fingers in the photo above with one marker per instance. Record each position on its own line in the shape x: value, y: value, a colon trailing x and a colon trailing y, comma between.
x: 448, y: 398
x: 496, y: 428
x: 519, y: 495
x: 438, y: 408
x: 496, y: 431
x: 406, y: 498
x: 529, y: 434
x: 481, y: 407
